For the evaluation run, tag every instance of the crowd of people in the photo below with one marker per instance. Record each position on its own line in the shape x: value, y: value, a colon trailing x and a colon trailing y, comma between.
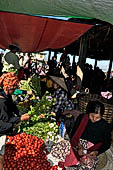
x: 97, y: 83
x: 89, y: 135
x: 94, y: 79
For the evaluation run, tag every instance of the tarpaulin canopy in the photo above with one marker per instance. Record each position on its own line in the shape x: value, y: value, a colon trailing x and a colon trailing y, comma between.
x: 35, y: 34
x: 99, y: 9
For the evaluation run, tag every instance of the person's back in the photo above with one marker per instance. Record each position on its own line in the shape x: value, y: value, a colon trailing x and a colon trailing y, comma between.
x: 52, y: 66
x: 11, y: 60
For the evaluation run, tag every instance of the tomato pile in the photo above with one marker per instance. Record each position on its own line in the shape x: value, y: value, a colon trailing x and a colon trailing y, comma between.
x: 26, y: 152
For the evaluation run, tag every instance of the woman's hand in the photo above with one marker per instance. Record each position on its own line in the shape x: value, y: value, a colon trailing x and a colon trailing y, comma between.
x: 80, y: 149
x: 29, y: 92
x: 66, y: 112
x: 93, y: 155
x: 25, y: 117
x: 80, y: 152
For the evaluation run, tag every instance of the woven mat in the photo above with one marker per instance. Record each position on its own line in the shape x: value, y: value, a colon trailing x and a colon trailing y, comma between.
x: 102, y: 161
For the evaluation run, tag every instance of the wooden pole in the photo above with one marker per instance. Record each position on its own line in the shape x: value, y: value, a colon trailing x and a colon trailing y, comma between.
x: 73, y: 59
x: 109, y: 70
x: 49, y: 55
x: 95, y: 63
x: 74, y: 66
x: 55, y: 53
x: 82, y: 51
x: 110, y: 64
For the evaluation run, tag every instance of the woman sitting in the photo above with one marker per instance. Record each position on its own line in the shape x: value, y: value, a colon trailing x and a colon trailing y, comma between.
x: 90, y: 137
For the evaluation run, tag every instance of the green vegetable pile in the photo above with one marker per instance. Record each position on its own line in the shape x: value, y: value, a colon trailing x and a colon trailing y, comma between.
x: 34, y: 83
x: 42, y: 123
x: 24, y: 84
x: 31, y: 84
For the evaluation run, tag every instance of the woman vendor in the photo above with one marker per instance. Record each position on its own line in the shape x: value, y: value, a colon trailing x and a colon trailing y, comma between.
x: 9, y: 114
x: 61, y: 94
x: 90, y: 137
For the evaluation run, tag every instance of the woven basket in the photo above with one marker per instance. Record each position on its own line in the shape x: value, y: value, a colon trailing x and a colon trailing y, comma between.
x: 108, y: 113
x: 102, y: 161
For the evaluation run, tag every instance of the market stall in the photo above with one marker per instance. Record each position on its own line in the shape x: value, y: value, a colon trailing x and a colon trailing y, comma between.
x: 28, y: 148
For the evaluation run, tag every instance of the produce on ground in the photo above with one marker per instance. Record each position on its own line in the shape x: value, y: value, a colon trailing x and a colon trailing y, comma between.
x: 42, y: 123
x: 26, y: 152
x: 31, y: 84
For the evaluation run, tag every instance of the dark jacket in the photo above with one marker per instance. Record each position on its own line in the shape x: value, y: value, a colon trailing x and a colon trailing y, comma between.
x: 9, y: 114
x: 95, y: 133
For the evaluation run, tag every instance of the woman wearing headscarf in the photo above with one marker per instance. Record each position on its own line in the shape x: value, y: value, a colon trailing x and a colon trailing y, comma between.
x: 9, y: 114
x: 90, y: 137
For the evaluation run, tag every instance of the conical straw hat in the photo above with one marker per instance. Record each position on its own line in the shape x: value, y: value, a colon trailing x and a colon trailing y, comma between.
x: 60, y: 81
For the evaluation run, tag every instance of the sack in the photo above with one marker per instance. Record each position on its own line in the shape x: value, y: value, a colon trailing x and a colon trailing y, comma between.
x: 72, y: 159
x: 61, y: 149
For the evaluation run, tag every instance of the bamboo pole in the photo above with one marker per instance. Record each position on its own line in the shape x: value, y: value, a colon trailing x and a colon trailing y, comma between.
x: 49, y: 55
x: 109, y: 69
x: 95, y: 63
x: 82, y: 51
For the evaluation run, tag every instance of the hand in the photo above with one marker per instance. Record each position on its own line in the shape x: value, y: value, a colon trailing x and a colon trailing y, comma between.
x: 66, y: 112
x: 80, y: 149
x: 29, y: 92
x: 80, y: 152
x: 25, y: 117
x: 73, y: 112
x: 93, y: 154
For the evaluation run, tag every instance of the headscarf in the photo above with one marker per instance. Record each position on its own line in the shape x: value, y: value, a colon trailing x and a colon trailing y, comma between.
x: 9, y: 81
